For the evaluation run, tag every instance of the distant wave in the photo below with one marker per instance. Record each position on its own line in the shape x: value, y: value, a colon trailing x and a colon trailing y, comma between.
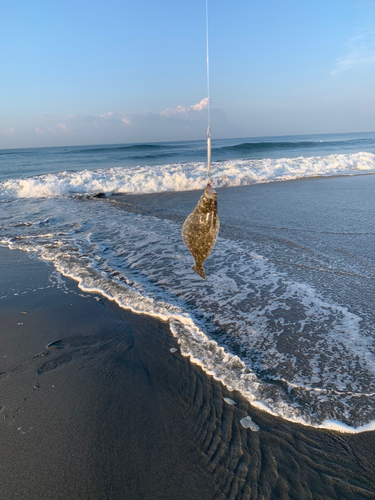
x: 130, y: 148
x: 89, y: 149
x: 248, y: 147
x: 20, y: 152
x: 152, y: 155
x: 187, y: 176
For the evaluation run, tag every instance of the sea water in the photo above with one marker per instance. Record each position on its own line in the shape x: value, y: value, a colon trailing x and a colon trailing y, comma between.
x: 286, y: 315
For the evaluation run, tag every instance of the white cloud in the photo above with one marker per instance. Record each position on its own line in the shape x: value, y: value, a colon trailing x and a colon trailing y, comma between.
x: 107, y: 115
x: 52, y: 124
x: 10, y: 132
x: 360, y: 51
x: 110, y: 117
x: 178, y: 123
x: 185, y: 112
x: 201, y: 105
x: 63, y: 127
x: 126, y: 121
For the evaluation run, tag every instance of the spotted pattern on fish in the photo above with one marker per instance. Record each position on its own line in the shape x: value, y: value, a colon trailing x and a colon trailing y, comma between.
x: 201, y: 228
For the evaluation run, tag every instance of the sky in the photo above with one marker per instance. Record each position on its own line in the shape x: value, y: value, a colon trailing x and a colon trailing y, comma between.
x: 94, y: 72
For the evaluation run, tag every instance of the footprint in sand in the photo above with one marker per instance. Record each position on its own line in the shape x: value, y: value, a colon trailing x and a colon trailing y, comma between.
x: 79, y: 346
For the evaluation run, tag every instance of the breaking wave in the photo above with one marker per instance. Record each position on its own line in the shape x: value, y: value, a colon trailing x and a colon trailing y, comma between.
x: 185, y: 176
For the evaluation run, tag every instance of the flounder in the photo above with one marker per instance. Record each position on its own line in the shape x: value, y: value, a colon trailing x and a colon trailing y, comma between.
x: 201, y: 228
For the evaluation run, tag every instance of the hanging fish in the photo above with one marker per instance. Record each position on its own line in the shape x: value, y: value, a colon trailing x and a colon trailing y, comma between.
x: 201, y: 228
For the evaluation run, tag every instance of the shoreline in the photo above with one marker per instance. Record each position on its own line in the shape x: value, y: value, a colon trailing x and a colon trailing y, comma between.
x: 174, y: 206
x: 329, y: 425
x: 92, y: 392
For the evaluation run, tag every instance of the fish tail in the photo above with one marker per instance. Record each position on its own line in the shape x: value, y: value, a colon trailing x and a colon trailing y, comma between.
x: 199, y: 270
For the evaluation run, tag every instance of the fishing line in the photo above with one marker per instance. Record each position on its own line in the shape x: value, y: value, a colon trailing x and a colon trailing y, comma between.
x: 208, y: 103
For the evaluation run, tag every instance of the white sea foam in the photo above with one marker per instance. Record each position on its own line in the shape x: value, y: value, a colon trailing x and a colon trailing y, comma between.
x: 141, y: 263
x: 336, y: 425
x: 188, y: 176
x: 194, y: 343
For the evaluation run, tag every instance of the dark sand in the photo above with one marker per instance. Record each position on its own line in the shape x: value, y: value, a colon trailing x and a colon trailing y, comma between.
x: 108, y: 412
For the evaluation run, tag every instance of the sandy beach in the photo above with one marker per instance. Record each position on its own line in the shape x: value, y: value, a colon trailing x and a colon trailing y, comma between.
x: 187, y: 270
x: 94, y: 405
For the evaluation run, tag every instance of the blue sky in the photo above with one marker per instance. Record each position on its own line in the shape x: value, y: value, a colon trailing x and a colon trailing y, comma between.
x: 90, y: 72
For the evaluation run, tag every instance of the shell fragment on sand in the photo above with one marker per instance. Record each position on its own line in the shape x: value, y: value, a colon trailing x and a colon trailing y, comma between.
x: 173, y: 349
x: 201, y: 228
x: 230, y: 401
x: 247, y: 423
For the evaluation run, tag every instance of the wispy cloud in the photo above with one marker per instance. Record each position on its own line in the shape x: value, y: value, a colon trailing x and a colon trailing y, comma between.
x: 10, y: 131
x: 172, y: 123
x: 54, y: 124
x: 105, y: 116
x: 126, y: 121
x: 185, y: 118
x: 63, y: 127
x: 110, y: 117
x: 360, y: 51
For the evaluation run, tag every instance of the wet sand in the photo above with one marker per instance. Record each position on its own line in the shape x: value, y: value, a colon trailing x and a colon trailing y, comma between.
x: 93, y: 405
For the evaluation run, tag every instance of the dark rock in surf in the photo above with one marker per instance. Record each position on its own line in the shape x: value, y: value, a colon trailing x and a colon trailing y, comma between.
x: 201, y: 228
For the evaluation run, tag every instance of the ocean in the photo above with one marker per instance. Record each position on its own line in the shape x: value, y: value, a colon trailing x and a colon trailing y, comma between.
x: 286, y: 315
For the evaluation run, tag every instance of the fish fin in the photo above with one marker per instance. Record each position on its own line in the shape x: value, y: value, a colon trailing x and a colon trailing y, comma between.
x: 199, y: 271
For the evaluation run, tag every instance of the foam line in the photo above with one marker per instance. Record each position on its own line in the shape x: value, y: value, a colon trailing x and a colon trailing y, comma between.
x: 214, y: 359
x: 187, y: 176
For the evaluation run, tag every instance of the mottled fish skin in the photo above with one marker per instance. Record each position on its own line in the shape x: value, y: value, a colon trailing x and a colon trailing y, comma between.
x: 201, y: 228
